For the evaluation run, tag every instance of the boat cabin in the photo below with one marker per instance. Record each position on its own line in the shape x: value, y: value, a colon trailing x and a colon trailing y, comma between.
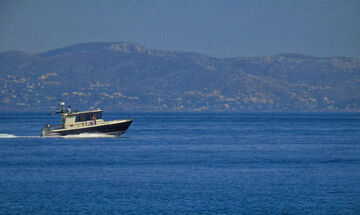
x: 81, y: 119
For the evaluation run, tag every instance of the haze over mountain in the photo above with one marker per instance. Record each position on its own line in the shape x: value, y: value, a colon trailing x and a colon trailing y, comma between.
x: 129, y: 77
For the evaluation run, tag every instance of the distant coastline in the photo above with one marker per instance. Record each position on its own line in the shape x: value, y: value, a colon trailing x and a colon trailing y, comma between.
x: 127, y: 77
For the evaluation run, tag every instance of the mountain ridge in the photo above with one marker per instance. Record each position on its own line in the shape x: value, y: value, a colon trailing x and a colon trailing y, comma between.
x: 123, y: 76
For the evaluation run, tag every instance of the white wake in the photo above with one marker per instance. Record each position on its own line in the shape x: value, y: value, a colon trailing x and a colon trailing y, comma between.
x: 75, y: 136
x: 7, y: 136
x: 87, y: 135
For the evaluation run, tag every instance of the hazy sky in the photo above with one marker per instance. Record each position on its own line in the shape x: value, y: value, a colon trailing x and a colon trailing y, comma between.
x: 222, y: 28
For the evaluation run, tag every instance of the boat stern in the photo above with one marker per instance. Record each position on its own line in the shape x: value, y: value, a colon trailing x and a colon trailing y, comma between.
x: 48, y: 130
x: 45, y: 131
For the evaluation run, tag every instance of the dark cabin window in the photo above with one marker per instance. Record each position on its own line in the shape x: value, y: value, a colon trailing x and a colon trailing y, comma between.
x: 78, y: 118
x: 96, y: 115
x: 87, y: 117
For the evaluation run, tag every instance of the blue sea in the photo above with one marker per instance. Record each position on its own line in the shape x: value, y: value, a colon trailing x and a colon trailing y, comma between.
x: 184, y: 163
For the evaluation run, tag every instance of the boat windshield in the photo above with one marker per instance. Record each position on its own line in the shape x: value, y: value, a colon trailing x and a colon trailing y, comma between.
x: 88, y: 116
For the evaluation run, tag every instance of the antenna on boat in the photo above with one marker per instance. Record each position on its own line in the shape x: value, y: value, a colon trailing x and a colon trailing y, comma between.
x: 62, y: 106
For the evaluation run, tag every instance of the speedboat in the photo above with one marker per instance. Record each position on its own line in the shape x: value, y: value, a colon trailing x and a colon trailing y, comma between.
x: 79, y: 122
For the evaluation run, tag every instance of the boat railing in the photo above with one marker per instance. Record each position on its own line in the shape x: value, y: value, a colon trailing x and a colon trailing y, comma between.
x: 54, y: 127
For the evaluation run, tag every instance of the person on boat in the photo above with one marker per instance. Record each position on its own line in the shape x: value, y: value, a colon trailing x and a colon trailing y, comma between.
x: 69, y: 109
x: 93, y: 121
